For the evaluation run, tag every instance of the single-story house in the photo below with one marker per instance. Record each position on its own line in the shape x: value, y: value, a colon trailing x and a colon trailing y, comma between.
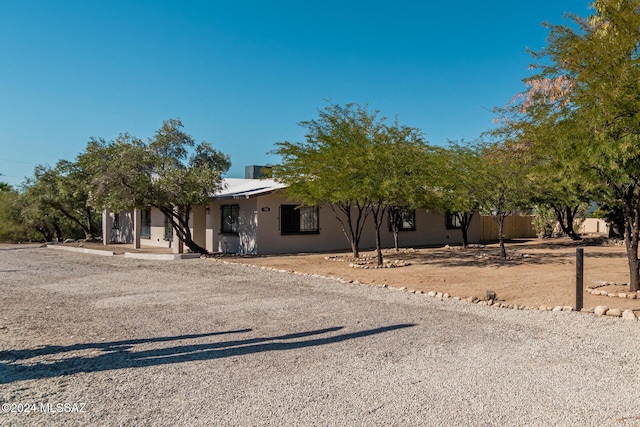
x: 254, y: 216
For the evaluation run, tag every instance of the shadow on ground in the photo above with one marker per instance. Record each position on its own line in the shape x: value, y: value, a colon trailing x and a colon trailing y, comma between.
x: 17, y: 365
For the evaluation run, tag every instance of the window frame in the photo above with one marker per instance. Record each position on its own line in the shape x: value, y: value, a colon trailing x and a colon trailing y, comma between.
x: 412, y: 213
x: 452, y: 221
x: 168, y: 229
x: 230, y: 221
x: 294, y: 215
x: 145, y: 223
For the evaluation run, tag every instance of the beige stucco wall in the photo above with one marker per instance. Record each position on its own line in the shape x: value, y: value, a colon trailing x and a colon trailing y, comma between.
x: 430, y: 230
x: 594, y: 225
x: 157, y: 231
x: 260, y: 230
x: 124, y: 232
x: 270, y: 241
x: 243, y: 243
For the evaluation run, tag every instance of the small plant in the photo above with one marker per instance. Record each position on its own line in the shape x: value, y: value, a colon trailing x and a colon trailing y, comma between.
x: 544, y: 222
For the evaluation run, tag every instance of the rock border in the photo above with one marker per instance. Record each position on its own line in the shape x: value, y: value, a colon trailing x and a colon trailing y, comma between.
x: 364, y: 262
x: 599, y: 311
x: 593, y: 290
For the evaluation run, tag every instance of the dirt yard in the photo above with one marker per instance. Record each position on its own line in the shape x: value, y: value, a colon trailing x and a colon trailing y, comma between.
x: 538, y: 272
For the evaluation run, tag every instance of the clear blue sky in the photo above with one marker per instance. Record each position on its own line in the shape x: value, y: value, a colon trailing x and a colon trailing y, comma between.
x: 242, y: 74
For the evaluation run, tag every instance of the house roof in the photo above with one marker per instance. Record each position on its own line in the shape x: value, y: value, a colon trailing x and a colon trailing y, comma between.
x: 238, y: 188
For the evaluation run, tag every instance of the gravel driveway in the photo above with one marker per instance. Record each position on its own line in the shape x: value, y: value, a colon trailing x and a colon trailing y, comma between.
x: 89, y: 340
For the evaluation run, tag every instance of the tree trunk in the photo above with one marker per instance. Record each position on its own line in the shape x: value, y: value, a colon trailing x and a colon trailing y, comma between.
x: 92, y: 232
x: 56, y: 227
x: 465, y: 222
x: 465, y: 237
x: 378, y: 247
x: 634, y: 266
x: 377, y: 212
x: 632, y: 216
x: 180, y: 223
x: 503, y: 250
x: 48, y: 236
x: 354, y: 249
x: 352, y: 231
x: 395, y: 217
x: 565, y: 217
x: 194, y: 247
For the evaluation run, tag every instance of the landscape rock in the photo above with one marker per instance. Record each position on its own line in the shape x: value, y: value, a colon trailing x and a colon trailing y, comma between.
x: 629, y: 315
x: 600, y: 310
x: 614, y: 312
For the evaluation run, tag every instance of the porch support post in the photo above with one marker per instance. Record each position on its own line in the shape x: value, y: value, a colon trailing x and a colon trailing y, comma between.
x: 106, y: 226
x: 178, y: 246
x: 199, y: 224
x: 137, y: 225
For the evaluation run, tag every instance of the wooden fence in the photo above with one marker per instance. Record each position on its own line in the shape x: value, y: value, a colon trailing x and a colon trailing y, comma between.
x: 517, y: 226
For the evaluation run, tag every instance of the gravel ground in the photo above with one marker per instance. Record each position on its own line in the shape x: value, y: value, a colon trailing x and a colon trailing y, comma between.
x: 89, y: 340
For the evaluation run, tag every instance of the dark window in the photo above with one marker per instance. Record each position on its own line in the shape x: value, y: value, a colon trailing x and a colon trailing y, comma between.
x: 168, y: 229
x: 230, y: 219
x: 145, y: 223
x: 405, y: 219
x: 116, y: 221
x: 453, y: 220
x: 296, y: 219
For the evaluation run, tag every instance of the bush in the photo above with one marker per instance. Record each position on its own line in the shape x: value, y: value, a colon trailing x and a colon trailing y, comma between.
x: 544, y: 222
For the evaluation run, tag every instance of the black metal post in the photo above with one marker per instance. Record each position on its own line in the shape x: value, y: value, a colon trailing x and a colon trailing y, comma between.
x: 579, y: 279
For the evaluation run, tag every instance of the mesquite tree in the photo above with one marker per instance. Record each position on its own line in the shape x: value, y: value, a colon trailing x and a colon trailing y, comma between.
x: 169, y: 172
x: 588, y: 80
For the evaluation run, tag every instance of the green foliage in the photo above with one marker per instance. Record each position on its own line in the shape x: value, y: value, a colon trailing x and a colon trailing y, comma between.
x: 55, y: 202
x: 584, y: 106
x: 169, y: 172
x: 613, y: 213
x: 356, y: 162
x: 328, y: 166
x: 11, y: 226
x: 544, y: 222
x: 491, y: 177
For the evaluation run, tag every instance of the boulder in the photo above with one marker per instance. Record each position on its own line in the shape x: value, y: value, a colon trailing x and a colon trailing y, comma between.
x: 614, y: 312
x: 629, y: 315
x: 601, y: 310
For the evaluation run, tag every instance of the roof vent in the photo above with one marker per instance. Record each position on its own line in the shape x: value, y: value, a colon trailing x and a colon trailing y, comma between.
x: 256, y: 172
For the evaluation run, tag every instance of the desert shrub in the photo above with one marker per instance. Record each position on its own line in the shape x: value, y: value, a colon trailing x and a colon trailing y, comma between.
x: 544, y: 222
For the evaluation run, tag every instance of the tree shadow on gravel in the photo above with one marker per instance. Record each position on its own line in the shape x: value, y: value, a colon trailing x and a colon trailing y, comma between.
x: 15, y: 365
